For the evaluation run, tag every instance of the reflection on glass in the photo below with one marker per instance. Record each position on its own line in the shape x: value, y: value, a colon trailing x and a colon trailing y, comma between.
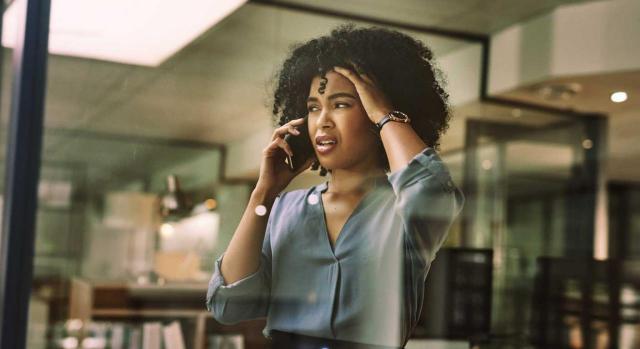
x: 185, y: 92
x: 345, y: 260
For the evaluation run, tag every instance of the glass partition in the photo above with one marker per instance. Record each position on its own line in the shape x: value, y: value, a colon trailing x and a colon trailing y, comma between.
x: 530, y: 180
x: 151, y: 150
x: 156, y: 118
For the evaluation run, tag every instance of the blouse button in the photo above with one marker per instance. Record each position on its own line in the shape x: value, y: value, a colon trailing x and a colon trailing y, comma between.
x: 449, y: 185
x: 312, y: 297
x: 313, y: 199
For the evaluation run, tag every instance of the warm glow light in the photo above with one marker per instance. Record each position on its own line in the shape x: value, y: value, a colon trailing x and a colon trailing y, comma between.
x: 166, y: 230
x: 211, y: 203
x: 619, y: 97
x: 132, y: 32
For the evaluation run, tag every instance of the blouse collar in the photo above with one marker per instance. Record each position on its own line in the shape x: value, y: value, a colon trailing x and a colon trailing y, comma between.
x: 379, y: 181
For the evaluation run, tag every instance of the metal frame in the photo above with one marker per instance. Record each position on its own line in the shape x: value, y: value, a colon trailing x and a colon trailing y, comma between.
x: 22, y: 172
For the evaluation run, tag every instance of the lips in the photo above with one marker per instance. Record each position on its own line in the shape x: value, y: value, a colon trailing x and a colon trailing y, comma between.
x: 325, y: 138
x: 325, y: 143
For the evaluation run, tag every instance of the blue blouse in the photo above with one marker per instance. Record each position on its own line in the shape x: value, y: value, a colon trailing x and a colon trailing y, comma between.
x: 370, y: 287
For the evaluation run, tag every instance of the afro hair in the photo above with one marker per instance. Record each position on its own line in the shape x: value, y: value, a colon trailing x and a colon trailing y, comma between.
x: 402, y: 67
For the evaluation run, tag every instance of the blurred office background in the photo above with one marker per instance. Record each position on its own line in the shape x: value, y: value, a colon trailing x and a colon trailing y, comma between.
x: 156, y: 113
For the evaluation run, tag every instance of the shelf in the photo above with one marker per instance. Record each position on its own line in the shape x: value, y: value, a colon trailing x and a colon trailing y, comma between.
x: 128, y: 301
x: 170, y: 313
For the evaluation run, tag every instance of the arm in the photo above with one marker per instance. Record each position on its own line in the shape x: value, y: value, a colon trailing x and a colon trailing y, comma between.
x: 243, y: 292
x: 426, y: 197
x: 242, y: 256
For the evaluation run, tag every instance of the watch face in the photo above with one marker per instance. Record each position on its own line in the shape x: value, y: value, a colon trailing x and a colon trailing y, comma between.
x: 399, y: 116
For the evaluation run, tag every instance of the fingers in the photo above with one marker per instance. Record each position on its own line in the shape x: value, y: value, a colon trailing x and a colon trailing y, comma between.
x: 360, y: 72
x: 275, y: 144
x: 366, y: 78
x: 358, y: 77
x: 289, y: 127
x: 285, y: 146
x: 353, y: 77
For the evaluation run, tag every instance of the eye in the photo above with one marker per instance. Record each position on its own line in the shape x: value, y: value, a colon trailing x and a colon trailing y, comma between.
x: 310, y: 108
x: 345, y: 104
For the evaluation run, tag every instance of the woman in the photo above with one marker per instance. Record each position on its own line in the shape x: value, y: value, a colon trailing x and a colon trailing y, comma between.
x: 346, y: 260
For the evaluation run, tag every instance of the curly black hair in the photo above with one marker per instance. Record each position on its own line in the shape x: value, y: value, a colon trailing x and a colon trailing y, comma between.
x: 402, y: 67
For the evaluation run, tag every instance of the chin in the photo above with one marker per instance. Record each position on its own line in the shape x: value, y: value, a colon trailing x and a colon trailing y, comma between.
x: 328, y: 164
x: 333, y: 165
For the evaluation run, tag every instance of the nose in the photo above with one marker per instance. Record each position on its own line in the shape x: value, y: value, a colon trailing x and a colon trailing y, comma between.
x: 324, y: 120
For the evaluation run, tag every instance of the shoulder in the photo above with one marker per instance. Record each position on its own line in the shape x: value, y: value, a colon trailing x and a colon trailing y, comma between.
x: 290, y: 209
x: 297, y: 197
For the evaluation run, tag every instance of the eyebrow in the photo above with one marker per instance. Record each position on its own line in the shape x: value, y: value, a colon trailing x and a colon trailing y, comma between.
x: 335, y: 95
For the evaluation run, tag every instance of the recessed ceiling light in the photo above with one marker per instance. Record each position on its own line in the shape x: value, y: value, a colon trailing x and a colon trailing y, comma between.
x: 132, y: 32
x: 619, y: 97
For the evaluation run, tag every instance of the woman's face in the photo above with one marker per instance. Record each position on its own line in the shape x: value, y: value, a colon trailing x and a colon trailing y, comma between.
x: 336, y: 111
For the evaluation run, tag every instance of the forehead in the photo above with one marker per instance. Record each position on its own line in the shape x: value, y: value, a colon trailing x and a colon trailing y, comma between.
x: 336, y: 82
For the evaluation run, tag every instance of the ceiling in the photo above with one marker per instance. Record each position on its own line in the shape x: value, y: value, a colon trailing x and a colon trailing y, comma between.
x: 593, y: 96
x: 213, y: 92
x: 217, y: 89
x: 470, y: 16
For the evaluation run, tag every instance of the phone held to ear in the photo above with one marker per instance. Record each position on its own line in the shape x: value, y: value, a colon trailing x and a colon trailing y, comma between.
x: 301, y: 146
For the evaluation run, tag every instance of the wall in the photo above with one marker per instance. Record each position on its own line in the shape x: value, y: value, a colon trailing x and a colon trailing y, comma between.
x: 589, y: 38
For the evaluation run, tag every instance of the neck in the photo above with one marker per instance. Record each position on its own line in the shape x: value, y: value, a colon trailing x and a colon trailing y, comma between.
x: 352, y: 182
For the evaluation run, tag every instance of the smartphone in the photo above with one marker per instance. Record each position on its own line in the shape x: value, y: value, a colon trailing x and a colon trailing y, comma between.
x: 301, y: 146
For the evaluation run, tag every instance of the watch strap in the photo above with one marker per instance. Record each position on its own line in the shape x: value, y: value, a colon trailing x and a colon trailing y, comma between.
x: 384, y: 120
x: 388, y: 117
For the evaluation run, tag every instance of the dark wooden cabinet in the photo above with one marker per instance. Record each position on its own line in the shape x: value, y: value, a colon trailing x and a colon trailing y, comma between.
x: 457, y: 297
x: 586, y: 303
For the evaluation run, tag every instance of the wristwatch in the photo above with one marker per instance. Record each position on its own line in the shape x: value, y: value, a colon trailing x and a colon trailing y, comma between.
x: 393, y: 115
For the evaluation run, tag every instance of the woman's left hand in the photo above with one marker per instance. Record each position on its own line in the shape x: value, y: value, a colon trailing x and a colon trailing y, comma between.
x: 375, y: 103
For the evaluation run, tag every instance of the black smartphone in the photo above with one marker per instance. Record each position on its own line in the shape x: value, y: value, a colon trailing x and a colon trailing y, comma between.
x: 301, y: 146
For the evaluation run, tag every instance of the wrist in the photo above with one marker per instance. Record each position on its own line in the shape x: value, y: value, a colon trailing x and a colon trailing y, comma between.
x: 377, y: 116
x: 394, y: 115
x: 263, y: 196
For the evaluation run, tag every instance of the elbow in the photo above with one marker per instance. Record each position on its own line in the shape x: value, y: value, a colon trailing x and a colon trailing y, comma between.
x: 232, y: 309
x: 223, y: 318
x: 217, y: 309
x: 216, y: 306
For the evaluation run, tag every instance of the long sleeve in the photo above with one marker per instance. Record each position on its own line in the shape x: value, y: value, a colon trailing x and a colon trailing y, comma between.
x: 247, y: 298
x: 427, y: 202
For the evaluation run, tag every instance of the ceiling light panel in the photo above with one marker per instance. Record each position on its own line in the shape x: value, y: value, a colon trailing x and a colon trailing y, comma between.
x: 138, y: 32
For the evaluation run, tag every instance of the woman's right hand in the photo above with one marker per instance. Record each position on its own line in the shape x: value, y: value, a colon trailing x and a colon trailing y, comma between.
x: 274, y: 172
